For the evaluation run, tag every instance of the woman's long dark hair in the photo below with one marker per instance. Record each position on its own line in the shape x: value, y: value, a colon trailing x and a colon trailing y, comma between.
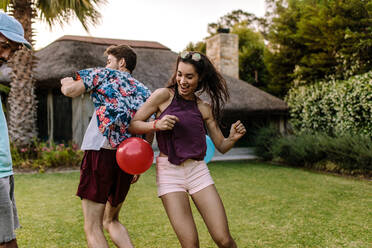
x: 210, y: 81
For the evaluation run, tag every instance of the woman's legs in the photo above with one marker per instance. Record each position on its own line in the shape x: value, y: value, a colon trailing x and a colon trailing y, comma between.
x: 177, y: 206
x: 211, y: 208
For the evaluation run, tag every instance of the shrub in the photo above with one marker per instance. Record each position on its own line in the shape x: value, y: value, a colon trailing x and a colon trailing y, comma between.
x: 344, y: 153
x: 353, y: 152
x: 302, y: 150
x: 42, y: 155
x: 264, y: 140
x: 334, y: 107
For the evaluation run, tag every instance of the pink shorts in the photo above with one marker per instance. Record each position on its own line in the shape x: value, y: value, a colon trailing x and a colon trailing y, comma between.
x: 191, y: 176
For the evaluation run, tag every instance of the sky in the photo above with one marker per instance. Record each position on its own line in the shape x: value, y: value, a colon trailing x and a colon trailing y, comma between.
x: 173, y: 23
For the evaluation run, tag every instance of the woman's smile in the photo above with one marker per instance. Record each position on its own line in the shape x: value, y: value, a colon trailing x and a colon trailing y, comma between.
x: 187, y: 80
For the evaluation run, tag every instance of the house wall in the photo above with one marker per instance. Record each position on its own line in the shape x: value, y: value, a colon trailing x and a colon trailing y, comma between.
x: 82, y: 110
x: 253, y: 122
x: 53, y: 116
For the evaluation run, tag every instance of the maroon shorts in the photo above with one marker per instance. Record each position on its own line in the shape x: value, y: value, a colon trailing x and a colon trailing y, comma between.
x: 101, y: 178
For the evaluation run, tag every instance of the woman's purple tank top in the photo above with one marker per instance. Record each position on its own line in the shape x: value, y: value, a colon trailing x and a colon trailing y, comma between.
x: 187, y: 139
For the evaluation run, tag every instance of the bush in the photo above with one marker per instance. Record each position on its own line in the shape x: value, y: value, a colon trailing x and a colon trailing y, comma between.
x: 42, y: 155
x: 264, y: 140
x: 334, y: 107
x: 353, y: 152
x: 348, y: 153
x: 300, y: 150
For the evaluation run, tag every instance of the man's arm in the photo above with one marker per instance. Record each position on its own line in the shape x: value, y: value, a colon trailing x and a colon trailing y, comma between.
x: 72, y: 88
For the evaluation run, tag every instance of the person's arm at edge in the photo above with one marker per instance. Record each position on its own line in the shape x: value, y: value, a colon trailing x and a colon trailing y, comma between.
x: 71, y: 87
x: 222, y: 144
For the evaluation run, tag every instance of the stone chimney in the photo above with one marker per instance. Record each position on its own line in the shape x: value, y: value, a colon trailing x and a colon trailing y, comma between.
x: 223, y: 51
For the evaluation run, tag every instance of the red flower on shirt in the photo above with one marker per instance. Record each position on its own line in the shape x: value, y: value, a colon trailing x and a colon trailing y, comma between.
x: 123, y: 129
x: 95, y: 80
x: 100, y: 112
x: 123, y: 92
x: 104, y: 124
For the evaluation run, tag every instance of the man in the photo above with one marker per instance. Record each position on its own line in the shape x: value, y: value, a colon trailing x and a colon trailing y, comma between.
x: 103, y: 185
x: 11, y: 39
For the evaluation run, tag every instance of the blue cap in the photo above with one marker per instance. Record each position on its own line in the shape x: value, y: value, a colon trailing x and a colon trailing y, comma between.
x: 12, y: 29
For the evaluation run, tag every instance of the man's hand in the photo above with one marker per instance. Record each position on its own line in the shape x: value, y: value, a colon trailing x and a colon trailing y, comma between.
x: 72, y: 88
x: 135, y: 178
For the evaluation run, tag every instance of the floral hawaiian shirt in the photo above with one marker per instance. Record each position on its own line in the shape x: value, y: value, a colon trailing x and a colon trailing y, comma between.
x: 116, y: 97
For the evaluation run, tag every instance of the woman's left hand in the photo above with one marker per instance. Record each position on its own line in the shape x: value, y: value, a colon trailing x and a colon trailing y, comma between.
x: 237, y: 130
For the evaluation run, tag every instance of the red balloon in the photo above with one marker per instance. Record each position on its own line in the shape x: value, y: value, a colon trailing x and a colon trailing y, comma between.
x: 134, y: 155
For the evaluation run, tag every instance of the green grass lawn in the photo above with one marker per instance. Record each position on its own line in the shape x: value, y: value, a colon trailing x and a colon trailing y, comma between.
x: 267, y: 206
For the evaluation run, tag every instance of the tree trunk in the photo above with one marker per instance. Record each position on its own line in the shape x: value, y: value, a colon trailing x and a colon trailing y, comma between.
x: 22, y: 99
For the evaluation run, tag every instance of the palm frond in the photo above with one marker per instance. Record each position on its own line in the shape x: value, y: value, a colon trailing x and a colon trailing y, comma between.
x: 62, y: 11
x: 4, y: 5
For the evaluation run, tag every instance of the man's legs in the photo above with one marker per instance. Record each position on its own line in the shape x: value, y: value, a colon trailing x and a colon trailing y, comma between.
x: 118, y: 233
x: 8, y: 213
x: 93, y: 217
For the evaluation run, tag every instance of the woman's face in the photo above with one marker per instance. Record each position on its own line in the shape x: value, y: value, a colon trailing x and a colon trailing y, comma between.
x: 187, y: 80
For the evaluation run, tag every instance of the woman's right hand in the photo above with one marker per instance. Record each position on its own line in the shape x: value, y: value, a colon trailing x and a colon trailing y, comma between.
x: 167, y: 122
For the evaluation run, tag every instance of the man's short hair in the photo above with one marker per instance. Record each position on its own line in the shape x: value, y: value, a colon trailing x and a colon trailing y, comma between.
x: 123, y: 52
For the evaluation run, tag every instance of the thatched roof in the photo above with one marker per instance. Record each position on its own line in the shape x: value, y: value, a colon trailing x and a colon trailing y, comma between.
x: 69, y: 54
x: 155, y: 64
x: 246, y: 98
x: 108, y: 42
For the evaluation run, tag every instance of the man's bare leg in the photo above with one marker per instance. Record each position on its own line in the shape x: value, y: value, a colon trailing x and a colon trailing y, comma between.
x: 118, y: 233
x: 93, y: 218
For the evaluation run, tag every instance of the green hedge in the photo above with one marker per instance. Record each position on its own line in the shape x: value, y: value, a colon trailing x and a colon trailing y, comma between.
x: 334, y: 107
x: 346, y: 153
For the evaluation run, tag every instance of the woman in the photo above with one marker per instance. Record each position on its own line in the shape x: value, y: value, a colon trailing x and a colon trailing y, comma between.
x: 180, y: 129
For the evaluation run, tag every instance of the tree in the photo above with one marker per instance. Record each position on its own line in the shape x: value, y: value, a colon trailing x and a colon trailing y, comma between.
x: 238, y: 17
x: 251, y: 32
x: 311, y: 40
x: 22, y: 100
x: 284, y: 51
x: 252, y: 68
x: 199, y: 46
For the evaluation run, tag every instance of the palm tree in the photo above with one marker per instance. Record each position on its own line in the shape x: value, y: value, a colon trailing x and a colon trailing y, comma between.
x: 22, y: 99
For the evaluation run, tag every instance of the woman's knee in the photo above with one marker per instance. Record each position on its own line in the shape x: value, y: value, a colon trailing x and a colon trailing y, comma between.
x: 190, y: 243
x: 225, y: 241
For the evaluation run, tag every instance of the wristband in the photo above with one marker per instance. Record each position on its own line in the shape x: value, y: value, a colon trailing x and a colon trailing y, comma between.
x: 154, y: 126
